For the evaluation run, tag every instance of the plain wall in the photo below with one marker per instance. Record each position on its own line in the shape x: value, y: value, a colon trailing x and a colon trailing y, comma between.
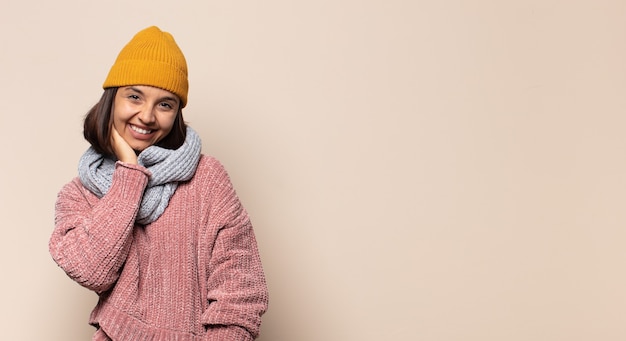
x: 415, y: 170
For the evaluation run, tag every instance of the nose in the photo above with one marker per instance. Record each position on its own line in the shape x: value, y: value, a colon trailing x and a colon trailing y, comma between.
x: 146, y: 115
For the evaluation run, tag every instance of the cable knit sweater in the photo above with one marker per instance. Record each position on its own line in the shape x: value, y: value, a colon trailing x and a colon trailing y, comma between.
x: 193, y: 274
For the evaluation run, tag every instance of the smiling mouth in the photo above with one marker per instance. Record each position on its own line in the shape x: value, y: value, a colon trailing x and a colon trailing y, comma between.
x: 139, y: 130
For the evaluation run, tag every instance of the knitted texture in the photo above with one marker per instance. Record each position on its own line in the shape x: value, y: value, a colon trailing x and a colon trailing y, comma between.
x: 193, y: 274
x: 153, y: 58
x: 167, y: 168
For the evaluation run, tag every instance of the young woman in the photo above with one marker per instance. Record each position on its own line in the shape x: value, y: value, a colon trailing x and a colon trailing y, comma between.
x: 151, y: 225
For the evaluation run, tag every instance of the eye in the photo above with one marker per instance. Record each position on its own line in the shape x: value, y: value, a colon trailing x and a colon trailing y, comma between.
x: 133, y: 97
x: 166, y: 105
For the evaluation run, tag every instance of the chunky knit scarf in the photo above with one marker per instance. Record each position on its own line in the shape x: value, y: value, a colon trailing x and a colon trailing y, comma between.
x: 168, y: 167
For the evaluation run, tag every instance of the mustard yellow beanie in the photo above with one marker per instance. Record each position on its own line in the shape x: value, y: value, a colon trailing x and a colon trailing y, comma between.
x: 152, y: 58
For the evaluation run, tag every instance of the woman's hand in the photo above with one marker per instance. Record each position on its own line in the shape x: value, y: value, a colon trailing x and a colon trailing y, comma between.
x: 121, y: 148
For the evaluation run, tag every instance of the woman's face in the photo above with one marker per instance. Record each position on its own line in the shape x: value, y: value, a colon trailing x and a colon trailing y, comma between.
x: 143, y: 115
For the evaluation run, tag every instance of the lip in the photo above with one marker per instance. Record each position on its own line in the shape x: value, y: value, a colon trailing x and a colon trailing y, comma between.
x: 139, y: 136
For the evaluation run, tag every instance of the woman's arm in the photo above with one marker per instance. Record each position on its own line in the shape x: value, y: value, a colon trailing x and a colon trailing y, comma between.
x: 91, y: 238
x: 237, y: 291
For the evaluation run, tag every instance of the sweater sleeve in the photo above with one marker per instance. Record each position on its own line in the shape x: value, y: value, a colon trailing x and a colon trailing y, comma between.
x: 237, y: 291
x: 91, y: 238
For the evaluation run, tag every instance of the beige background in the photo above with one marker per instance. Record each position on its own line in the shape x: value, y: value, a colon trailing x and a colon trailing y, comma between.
x: 415, y: 170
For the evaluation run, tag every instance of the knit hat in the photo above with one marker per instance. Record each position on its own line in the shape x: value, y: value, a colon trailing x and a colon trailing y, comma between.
x: 151, y: 58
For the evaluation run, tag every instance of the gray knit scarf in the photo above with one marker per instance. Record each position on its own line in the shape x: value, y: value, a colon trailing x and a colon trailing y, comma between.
x: 168, y: 167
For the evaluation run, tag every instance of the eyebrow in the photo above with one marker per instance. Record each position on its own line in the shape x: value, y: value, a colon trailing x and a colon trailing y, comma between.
x: 165, y: 98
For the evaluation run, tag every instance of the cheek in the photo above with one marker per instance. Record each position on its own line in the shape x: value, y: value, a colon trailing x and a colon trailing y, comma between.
x: 118, y: 114
x: 168, y: 124
x: 118, y: 123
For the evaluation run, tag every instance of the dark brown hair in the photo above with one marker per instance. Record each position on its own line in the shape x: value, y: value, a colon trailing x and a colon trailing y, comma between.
x: 99, y: 119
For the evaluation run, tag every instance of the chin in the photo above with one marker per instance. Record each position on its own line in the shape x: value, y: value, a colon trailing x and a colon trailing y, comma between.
x: 139, y: 149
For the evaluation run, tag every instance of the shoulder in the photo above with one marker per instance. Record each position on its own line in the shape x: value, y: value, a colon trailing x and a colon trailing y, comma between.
x: 74, y: 191
x: 212, y: 170
x: 75, y: 186
x: 212, y: 182
x: 208, y: 161
x: 209, y: 165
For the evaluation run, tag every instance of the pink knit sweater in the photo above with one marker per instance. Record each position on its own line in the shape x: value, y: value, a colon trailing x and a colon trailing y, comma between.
x: 193, y: 274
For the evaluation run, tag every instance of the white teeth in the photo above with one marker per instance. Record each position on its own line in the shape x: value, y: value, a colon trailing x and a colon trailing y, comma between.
x: 139, y: 130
